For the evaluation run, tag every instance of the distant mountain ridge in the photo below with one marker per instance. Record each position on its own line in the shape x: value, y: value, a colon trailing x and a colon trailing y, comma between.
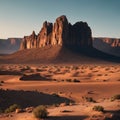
x: 10, y: 45
x: 107, y: 45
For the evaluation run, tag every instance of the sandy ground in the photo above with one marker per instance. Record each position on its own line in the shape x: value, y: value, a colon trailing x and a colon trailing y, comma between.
x: 100, y: 82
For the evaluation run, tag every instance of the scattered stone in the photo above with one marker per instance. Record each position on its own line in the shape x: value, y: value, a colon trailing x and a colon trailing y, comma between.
x: 29, y: 109
x: 18, y: 110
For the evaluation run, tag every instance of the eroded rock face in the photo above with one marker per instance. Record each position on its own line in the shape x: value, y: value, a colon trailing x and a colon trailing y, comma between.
x: 80, y: 35
x: 29, y: 41
x: 61, y: 33
x: 44, y: 36
x: 112, y: 42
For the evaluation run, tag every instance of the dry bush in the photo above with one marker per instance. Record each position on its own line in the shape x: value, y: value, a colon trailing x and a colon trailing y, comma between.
x: 107, y: 69
x: 40, y: 112
x: 12, y: 108
x: 89, y: 99
x: 89, y: 75
x: 76, y: 80
x: 98, y: 108
x: 99, y: 74
x: 115, y: 97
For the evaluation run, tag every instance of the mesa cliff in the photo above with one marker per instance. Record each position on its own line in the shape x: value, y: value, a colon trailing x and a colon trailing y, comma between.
x: 10, y: 45
x: 60, y: 33
x: 107, y: 45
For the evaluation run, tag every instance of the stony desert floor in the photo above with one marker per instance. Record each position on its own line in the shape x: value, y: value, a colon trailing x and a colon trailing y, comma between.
x: 69, y: 91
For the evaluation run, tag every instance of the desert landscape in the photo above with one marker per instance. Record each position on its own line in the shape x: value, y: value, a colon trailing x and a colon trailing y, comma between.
x: 52, y: 78
x: 69, y: 91
x: 66, y: 69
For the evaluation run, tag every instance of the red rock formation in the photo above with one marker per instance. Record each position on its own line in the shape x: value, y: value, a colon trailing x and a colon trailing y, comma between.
x: 80, y: 35
x: 61, y: 33
x: 29, y: 41
x: 44, y: 37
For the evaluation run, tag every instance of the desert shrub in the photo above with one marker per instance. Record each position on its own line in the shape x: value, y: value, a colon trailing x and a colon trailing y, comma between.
x: 90, y: 75
x: 75, y: 80
x: 106, y: 74
x: 98, y: 108
x: 107, y: 69
x: 66, y: 111
x: 69, y: 80
x: 40, y: 112
x: 75, y: 68
x: 25, y: 68
x: 56, y: 105
x: 115, y: 97
x: 99, y: 74
x: 89, y: 99
x: 12, y: 108
x: 62, y: 80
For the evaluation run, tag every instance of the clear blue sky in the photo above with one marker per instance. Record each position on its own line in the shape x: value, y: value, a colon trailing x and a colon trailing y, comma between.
x: 21, y: 17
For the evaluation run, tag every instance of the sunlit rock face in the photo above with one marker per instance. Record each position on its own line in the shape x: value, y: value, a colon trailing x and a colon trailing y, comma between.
x: 29, y: 41
x: 60, y: 33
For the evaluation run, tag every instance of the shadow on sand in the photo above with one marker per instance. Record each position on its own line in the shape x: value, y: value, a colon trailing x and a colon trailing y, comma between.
x: 66, y: 118
x: 29, y: 98
x: 115, y: 114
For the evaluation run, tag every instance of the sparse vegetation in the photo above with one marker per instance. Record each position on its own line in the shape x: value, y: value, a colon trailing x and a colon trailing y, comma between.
x: 89, y: 75
x: 12, y: 108
x: 89, y: 99
x: 75, y: 80
x: 40, y: 112
x: 69, y: 80
x: 107, y: 69
x: 99, y: 74
x: 115, y: 97
x: 66, y: 111
x: 98, y: 108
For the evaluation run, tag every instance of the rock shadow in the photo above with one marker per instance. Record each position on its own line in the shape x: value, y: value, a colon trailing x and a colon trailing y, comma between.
x: 29, y: 98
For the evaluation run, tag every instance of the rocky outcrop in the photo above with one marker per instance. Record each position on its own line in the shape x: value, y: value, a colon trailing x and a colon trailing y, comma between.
x: 61, y: 33
x: 80, y: 35
x: 44, y: 36
x: 29, y: 41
